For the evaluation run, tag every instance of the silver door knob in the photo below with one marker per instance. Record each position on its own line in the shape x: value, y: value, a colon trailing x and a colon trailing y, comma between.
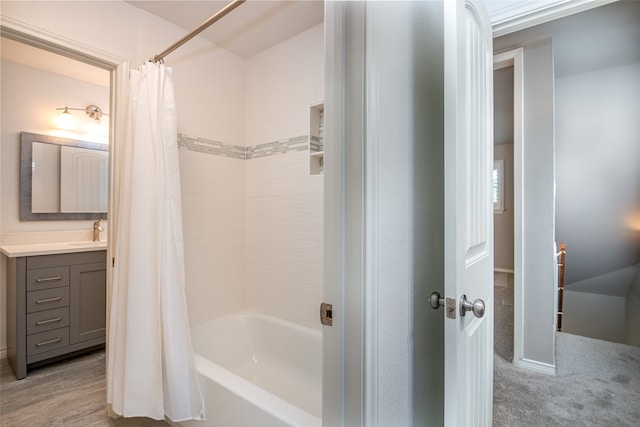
x: 477, y: 307
x: 436, y: 300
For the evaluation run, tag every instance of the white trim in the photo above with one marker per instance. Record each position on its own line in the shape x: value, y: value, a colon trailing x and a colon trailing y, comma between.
x: 498, y: 207
x: 372, y: 209
x: 332, y: 337
x: 533, y: 365
x: 34, y: 36
x: 353, y: 209
x: 344, y: 222
x: 515, y: 58
x: 519, y: 8
x: 519, y: 16
x: 3, y: 353
x: 503, y: 270
x: 119, y: 99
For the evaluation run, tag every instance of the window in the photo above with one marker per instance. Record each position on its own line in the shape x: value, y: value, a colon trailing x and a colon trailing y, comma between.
x: 498, y: 186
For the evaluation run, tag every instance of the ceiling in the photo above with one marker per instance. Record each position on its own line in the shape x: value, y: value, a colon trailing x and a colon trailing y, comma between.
x: 259, y: 24
x: 251, y: 28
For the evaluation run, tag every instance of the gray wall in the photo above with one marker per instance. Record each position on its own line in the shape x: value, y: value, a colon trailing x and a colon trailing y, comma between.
x: 503, y: 222
x: 593, y: 59
x: 427, y: 63
x: 594, y: 315
x: 632, y: 314
x: 539, y: 203
x: 598, y: 171
x: 598, y: 162
x: 503, y: 150
x: 538, y: 181
x: 503, y: 106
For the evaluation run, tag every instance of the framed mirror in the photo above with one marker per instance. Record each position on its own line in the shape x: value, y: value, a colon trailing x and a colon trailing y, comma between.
x: 62, y: 179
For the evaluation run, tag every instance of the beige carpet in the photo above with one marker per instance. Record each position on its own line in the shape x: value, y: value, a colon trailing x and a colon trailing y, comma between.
x: 503, y: 315
x: 597, y: 382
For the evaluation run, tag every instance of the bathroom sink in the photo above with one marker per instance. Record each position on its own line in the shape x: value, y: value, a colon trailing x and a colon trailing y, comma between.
x: 89, y: 244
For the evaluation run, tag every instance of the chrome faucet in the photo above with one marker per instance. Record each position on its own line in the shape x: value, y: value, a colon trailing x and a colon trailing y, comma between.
x: 96, y: 231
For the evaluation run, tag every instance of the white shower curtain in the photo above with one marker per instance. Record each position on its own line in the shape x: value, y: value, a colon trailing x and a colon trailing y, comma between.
x: 150, y: 367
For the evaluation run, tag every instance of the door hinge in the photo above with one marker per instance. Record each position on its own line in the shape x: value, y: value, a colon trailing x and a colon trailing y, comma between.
x: 326, y: 314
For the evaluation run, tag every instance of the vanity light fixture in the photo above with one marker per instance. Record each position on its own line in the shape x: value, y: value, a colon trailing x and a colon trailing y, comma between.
x: 65, y: 121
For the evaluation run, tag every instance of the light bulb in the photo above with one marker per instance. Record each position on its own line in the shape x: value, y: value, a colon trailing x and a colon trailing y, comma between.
x: 95, y: 127
x: 65, y: 121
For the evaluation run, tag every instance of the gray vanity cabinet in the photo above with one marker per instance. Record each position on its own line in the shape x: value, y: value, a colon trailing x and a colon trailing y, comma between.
x: 59, y: 307
x: 88, y: 300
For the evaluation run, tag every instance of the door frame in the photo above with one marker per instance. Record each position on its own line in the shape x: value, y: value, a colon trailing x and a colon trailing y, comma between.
x: 515, y: 58
x: 368, y: 376
x: 343, y: 364
x: 118, y: 88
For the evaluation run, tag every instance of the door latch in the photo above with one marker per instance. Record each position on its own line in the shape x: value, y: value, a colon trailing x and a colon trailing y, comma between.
x: 436, y: 301
x: 326, y: 314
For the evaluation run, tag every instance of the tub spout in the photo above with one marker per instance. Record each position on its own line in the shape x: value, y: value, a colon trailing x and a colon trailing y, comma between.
x: 96, y: 231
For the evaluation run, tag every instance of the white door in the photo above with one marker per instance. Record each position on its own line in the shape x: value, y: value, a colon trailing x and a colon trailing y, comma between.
x: 468, y: 214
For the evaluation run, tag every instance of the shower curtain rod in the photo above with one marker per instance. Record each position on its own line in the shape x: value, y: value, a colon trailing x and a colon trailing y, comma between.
x: 216, y: 17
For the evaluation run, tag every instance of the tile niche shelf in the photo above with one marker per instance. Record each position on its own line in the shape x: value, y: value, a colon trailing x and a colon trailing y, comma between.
x: 316, y: 139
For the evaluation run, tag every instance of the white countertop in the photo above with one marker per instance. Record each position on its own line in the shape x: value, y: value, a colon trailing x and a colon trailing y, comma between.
x: 31, y: 249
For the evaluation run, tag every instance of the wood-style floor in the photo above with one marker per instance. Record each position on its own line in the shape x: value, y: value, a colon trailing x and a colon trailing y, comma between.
x: 64, y: 394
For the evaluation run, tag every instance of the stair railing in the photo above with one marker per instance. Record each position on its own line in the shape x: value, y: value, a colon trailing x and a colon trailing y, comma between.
x: 562, y: 254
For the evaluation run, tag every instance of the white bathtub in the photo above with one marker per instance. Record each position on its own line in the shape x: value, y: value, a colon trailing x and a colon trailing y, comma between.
x: 256, y: 370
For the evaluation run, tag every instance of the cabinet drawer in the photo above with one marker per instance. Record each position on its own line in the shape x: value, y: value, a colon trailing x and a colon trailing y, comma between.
x: 47, y: 320
x: 46, y: 341
x: 47, y: 299
x: 46, y: 278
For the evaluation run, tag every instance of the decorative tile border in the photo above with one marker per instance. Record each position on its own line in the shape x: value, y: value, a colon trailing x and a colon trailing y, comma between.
x: 316, y: 144
x: 207, y: 146
x: 299, y: 143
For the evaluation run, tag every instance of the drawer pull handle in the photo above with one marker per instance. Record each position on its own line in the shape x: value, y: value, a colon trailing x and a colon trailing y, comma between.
x: 42, y: 301
x: 53, y: 341
x: 44, y: 322
x: 48, y: 279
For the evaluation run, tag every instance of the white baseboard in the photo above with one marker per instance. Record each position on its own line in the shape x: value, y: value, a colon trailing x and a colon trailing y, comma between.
x: 533, y: 365
x: 503, y: 270
x: 3, y: 353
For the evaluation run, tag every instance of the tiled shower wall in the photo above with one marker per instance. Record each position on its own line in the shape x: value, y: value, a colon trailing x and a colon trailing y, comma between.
x: 258, y: 214
x: 283, y: 237
x: 252, y: 211
x: 283, y: 204
x: 213, y: 212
